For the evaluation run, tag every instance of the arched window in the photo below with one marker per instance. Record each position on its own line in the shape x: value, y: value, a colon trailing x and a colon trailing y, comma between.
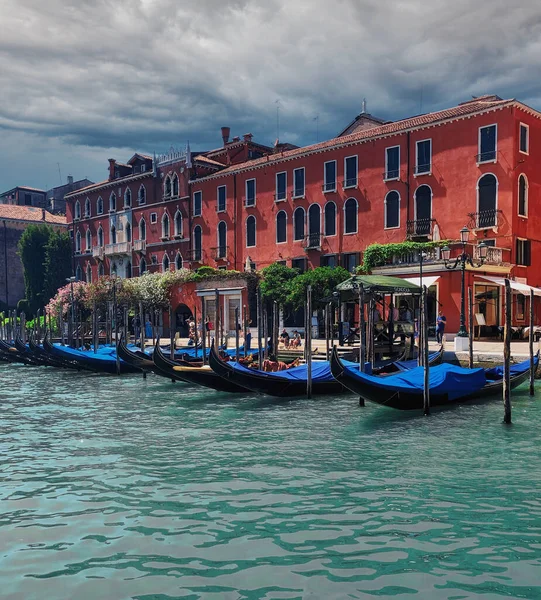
x: 165, y: 263
x: 523, y: 196
x: 78, y: 273
x: 114, y: 269
x: 330, y: 218
x: 112, y: 202
x: 281, y: 227
x: 178, y: 261
x: 127, y: 198
x: 99, y: 206
x: 314, y: 219
x: 128, y: 271
x: 298, y: 224
x: 175, y: 185
x: 165, y: 226
x: 88, y: 208
x: 142, y: 229
x: 142, y: 195
x: 197, y: 250
x: 88, y: 273
x: 128, y: 232
x: 178, y: 224
x: 101, y: 270
x: 222, y: 240
x: 350, y: 216
x: 250, y: 231
x: 88, y: 240
x: 392, y: 210
x: 167, y: 186
x: 78, y: 242
x: 487, y: 200
x: 423, y: 210
x: 142, y: 266
x: 77, y: 212
x: 100, y: 237
x: 112, y: 236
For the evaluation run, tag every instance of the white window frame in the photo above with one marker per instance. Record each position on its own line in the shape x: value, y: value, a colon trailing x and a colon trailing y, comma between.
x: 165, y: 193
x: 335, y: 219
x: 88, y: 238
x: 218, y: 209
x: 246, y: 193
x: 197, y: 214
x: 173, y: 179
x: 295, y: 239
x: 77, y: 211
x: 88, y: 203
x: 351, y: 187
x: 276, y: 227
x: 429, y: 172
x: 431, y: 200
x: 166, y: 256
x: 88, y: 273
x: 525, y: 216
x: 255, y: 231
x: 527, y: 127
x: 102, y: 244
x: 144, y: 200
x: 175, y: 232
x: 303, y: 195
x: 153, y: 218
x: 176, y: 259
x: 110, y: 203
x: 126, y: 191
x: 276, y: 199
x: 78, y: 242
x: 520, y: 239
x: 142, y: 220
x: 98, y: 211
x: 397, y: 178
x: 164, y: 236
x: 325, y: 189
x: 308, y: 218
x: 385, y: 209
x: 477, y: 200
x: 356, y: 217
x: 218, y: 239
x: 492, y: 160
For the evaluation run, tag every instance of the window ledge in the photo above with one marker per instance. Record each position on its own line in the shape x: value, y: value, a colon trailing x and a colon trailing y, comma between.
x: 492, y: 161
x: 351, y: 233
x: 422, y: 174
x: 523, y: 216
x: 330, y: 191
x: 386, y: 179
x: 221, y: 210
x: 350, y: 187
x: 301, y: 197
x: 387, y: 228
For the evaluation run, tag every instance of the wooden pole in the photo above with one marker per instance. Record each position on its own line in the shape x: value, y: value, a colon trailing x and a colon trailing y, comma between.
x: 426, y: 382
x: 204, y: 329
x: 115, y: 313
x: 266, y: 331
x: 142, y: 330
x: 470, y: 324
x: 217, y: 323
x: 259, y: 328
x: 245, y: 328
x: 362, y: 336
x: 95, y: 332
x: 530, y: 343
x: 327, y: 343
x: 60, y: 326
x: 237, y: 334
x: 107, y: 310
x: 507, y: 355
x: 172, y: 334
x: 371, y: 329
x: 196, y: 333
x: 275, y: 319
x: 308, y: 342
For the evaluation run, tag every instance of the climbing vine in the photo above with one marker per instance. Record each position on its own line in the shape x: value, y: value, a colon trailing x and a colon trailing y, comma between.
x: 378, y: 255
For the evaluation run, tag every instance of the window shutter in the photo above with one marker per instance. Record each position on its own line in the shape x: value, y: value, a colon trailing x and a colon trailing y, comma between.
x: 527, y: 253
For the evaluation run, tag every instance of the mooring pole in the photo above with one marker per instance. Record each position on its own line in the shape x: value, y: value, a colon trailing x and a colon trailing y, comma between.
x: 426, y: 382
x: 237, y: 334
x: 470, y: 324
x: 142, y: 332
x: 308, y: 343
x: 115, y: 312
x: 204, y: 329
x: 259, y: 328
x: 171, y: 334
x: 362, y: 335
x: 507, y: 355
x: 95, y: 332
x: 245, y: 329
x: 195, y: 332
x: 530, y: 341
x: 327, y: 343
x: 275, y: 327
x: 217, y: 323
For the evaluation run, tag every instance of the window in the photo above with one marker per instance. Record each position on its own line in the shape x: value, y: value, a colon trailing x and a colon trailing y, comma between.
x: 523, y: 253
x: 298, y: 224
x: 88, y: 208
x: 392, y: 210
x: 128, y: 271
x: 78, y: 242
x: 112, y: 202
x: 142, y: 195
x: 175, y: 186
x: 350, y: 216
x: 250, y: 192
x: 424, y: 157
x: 165, y: 226
x: 143, y: 168
x: 197, y: 253
x: 88, y: 240
x: 314, y: 226
x: 197, y: 203
x: 88, y: 273
x: 299, y: 263
x: 100, y: 237
x: 142, y: 229
x: 142, y: 266
x: 523, y: 196
x: 330, y: 218
x: 281, y: 187
x: 77, y: 213
x: 350, y: 172
x: 328, y: 260
x: 487, y: 144
x: 350, y: 261
x: 165, y: 263
x: 99, y: 206
x: 28, y: 199
x: 487, y: 200
x: 78, y: 273
x: 250, y: 231
x: 298, y: 183
x: 112, y: 235
x: 154, y: 259
x: 392, y: 163
x: 222, y: 240
x: 329, y: 176
x: 179, y: 263
x: 128, y: 232
x: 221, y: 196
x: 281, y: 227
x: 167, y: 187
x: 101, y: 270
x: 521, y: 306
x: 524, y: 143
x: 423, y: 210
x: 153, y: 218
x: 178, y: 224
x: 127, y: 198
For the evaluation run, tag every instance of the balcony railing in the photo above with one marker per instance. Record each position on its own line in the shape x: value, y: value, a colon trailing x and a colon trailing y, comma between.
x: 423, y: 169
x: 195, y: 255
x: 219, y: 253
x: 249, y: 201
x: 485, y: 219
x: 420, y: 228
x: 140, y: 246
x: 351, y: 182
x: 312, y: 241
x: 489, y: 156
x: 329, y: 186
x: 280, y: 197
x: 412, y: 258
x: 495, y: 256
x: 391, y: 174
x: 98, y: 252
x: 118, y: 248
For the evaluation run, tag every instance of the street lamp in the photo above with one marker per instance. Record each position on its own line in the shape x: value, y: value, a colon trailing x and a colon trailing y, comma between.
x: 463, y: 259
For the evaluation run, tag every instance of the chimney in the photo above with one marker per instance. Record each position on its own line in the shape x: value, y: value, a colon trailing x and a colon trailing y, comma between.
x: 112, y: 165
x: 225, y: 134
x: 247, y: 137
x: 43, y: 214
x: 236, y: 138
x: 70, y: 179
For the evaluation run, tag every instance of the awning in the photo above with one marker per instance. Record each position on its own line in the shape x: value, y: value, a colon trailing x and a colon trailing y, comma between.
x: 428, y: 281
x: 375, y: 284
x: 521, y: 288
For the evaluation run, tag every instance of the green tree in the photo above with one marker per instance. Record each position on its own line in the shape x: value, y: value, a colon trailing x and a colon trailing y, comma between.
x: 276, y: 283
x: 323, y: 281
x: 57, y: 264
x: 32, y: 252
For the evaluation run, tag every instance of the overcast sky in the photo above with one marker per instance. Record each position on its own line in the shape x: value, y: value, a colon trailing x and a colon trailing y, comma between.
x: 86, y: 80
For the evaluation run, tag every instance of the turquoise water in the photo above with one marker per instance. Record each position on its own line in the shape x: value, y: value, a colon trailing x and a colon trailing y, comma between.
x: 123, y: 488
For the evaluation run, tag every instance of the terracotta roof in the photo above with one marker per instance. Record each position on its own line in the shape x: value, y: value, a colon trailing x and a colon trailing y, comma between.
x: 208, y: 160
x: 476, y: 105
x: 30, y: 213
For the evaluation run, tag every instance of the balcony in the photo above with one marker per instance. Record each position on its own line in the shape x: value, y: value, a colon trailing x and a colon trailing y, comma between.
x: 118, y: 248
x: 219, y: 253
x: 329, y: 186
x: 312, y: 241
x: 420, y: 228
x: 280, y: 197
x: 140, y: 246
x: 423, y: 169
x: 391, y: 175
x: 195, y: 255
x: 484, y: 157
x: 349, y: 183
x: 495, y: 256
x: 98, y: 252
x: 485, y: 219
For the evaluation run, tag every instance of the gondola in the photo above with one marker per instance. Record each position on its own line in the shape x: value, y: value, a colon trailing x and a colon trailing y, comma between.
x: 449, y: 384
x: 203, y: 376
x: 47, y: 359
x: 135, y: 358
x: 283, y: 384
x: 12, y: 354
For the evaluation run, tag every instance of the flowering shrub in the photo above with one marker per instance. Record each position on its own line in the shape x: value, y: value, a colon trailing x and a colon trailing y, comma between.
x: 62, y: 300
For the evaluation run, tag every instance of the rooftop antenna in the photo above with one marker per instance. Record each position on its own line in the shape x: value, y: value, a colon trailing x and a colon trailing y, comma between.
x: 59, y: 173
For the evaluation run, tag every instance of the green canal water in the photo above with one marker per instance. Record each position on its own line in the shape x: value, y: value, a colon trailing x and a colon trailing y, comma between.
x: 123, y: 488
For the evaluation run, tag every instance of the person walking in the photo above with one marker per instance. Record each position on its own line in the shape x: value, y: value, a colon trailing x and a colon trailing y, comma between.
x: 440, y: 326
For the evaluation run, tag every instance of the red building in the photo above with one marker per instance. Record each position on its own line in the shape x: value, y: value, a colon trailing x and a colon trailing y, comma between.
x: 422, y: 178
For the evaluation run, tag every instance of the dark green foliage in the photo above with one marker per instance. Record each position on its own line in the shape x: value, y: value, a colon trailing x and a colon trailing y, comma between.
x: 276, y: 283
x: 323, y: 281
x: 57, y: 263
x: 377, y: 255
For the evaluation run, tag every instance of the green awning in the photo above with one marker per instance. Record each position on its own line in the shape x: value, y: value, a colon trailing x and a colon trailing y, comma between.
x: 375, y: 284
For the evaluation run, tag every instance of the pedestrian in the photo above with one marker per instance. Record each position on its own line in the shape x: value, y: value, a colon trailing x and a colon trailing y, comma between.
x: 284, y: 338
x: 440, y: 326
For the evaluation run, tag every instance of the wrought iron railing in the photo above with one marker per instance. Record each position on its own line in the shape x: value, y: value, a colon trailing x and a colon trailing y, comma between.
x: 195, y: 255
x: 350, y: 182
x: 329, y: 186
x: 420, y: 227
x: 282, y: 197
x: 420, y: 169
x: 489, y: 156
x: 485, y: 219
x: 391, y: 174
x: 312, y: 241
x: 219, y: 253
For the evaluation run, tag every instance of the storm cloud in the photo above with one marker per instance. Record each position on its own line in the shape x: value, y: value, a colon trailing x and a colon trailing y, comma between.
x: 84, y: 81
